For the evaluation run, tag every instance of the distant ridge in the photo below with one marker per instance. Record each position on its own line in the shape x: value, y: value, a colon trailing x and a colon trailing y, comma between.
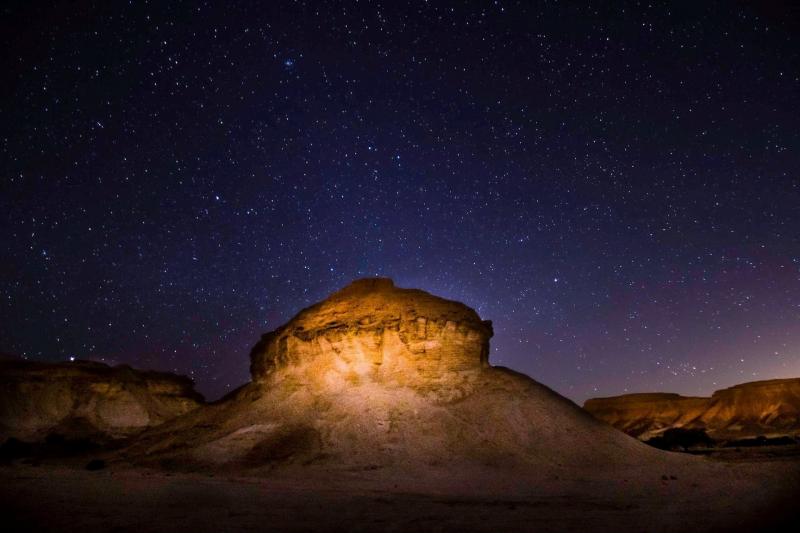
x: 86, y: 399
x: 769, y: 408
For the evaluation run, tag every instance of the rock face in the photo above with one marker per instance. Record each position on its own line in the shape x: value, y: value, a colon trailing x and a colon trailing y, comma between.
x: 379, y: 378
x: 648, y: 414
x: 87, y: 400
x: 372, y: 331
x: 769, y: 408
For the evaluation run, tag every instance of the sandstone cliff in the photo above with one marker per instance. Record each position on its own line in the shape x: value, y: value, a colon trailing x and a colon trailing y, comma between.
x: 374, y: 332
x: 769, y: 408
x: 379, y: 378
x: 87, y: 400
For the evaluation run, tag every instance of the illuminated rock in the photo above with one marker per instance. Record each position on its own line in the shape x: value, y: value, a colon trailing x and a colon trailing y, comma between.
x: 372, y: 331
x: 84, y: 399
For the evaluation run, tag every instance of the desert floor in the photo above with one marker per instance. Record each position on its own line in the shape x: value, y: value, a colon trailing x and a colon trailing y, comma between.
x: 758, y: 495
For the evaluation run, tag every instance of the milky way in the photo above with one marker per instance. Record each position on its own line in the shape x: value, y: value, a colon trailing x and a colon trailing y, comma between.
x: 617, y: 187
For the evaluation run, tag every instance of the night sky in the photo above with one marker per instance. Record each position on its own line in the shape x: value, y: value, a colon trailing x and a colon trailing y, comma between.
x: 616, y: 187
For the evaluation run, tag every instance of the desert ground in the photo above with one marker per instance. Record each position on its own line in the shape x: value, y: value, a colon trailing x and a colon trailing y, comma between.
x: 745, y: 495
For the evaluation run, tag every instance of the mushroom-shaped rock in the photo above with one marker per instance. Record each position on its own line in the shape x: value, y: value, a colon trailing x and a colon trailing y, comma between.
x: 372, y: 330
x: 379, y: 378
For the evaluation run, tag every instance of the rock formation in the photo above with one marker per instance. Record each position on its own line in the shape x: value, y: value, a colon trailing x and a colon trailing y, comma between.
x: 374, y: 332
x: 377, y: 377
x: 646, y: 415
x: 769, y: 408
x: 82, y: 399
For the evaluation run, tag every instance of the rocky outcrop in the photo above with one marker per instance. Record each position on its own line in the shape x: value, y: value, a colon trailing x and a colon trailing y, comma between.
x: 646, y: 415
x: 82, y: 399
x: 372, y: 331
x: 769, y: 408
x: 380, y: 378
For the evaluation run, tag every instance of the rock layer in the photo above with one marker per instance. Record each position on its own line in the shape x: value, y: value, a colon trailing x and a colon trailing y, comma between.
x: 769, y: 408
x: 84, y: 399
x: 372, y: 331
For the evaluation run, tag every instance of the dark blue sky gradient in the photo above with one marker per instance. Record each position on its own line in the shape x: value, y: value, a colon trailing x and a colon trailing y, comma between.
x: 617, y: 187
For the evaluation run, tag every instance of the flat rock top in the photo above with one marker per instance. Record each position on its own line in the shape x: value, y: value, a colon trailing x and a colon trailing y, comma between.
x: 764, y: 386
x: 753, y: 388
x: 641, y: 397
x: 87, y: 372
x: 375, y: 302
x: 21, y: 368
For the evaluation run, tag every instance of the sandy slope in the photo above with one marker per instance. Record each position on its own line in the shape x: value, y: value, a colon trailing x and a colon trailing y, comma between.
x: 507, y: 419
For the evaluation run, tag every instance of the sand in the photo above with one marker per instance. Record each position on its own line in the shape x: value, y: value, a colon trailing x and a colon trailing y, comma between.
x: 745, y: 496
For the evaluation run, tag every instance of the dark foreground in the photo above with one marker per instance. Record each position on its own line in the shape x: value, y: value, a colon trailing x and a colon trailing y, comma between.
x: 757, y: 496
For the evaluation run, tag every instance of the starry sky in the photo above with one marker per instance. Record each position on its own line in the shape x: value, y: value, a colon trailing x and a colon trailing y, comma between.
x: 615, y: 185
